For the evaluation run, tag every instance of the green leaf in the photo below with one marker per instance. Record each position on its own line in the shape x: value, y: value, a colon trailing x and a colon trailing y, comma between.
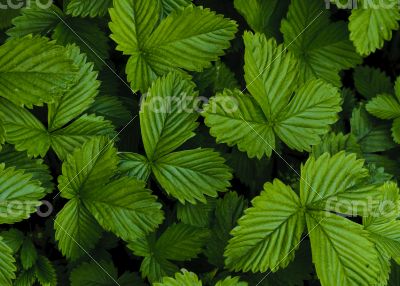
x: 124, y: 207
x: 372, y: 136
x: 341, y: 251
x: 372, y: 25
x: 87, y: 35
x: 168, y: 115
x: 34, y: 70
x: 308, y: 115
x: 131, y: 23
x: 189, y: 175
x: 257, y: 243
x: 231, y: 281
x: 333, y: 143
x: 65, y: 141
x: 26, y: 278
x: 196, y: 215
x: 135, y: 166
x: 45, y: 272
x: 155, y: 268
x: 181, y: 242
x: 7, y: 264
x: 384, y: 106
x: 19, y: 195
x: 102, y: 273
x: 271, y: 73
x: 184, y: 278
x: 236, y: 119
x: 370, y: 82
x: 84, y: 8
x: 79, y: 97
x: 36, y: 167
x: 337, y: 183
x: 21, y: 127
x: 89, y: 168
x: 76, y: 230
x: 28, y: 254
x: 263, y: 16
x: 227, y: 211
x: 35, y: 20
x: 396, y: 130
x: 13, y: 238
x: 322, y: 47
x: 169, y: 6
x: 173, y: 45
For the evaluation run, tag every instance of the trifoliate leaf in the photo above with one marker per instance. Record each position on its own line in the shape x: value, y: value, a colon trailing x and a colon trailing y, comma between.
x: 7, y: 264
x: 257, y: 243
x: 371, y: 25
x: 370, y: 82
x: 76, y: 230
x: 124, y: 207
x: 341, y: 251
x: 84, y: 8
x: 34, y: 70
x: 322, y: 47
x: 173, y: 45
x: 21, y: 126
x: 28, y: 254
x: 189, y: 175
x: 168, y: 115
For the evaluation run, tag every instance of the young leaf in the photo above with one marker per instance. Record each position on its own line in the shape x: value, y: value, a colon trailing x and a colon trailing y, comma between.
x: 189, y: 175
x: 28, y: 254
x: 257, y: 243
x: 322, y: 47
x: 34, y: 70
x: 168, y: 115
x: 371, y: 25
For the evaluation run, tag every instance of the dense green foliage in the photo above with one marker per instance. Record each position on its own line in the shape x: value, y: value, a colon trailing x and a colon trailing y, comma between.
x: 190, y: 143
